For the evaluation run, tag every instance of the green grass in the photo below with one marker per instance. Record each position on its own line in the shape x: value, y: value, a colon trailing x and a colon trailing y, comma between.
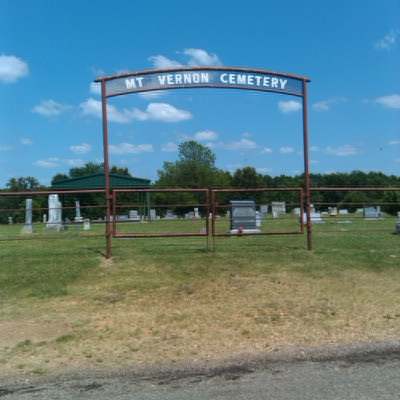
x: 47, y: 268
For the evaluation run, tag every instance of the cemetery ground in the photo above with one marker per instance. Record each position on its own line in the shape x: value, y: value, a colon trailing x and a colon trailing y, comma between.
x: 169, y: 300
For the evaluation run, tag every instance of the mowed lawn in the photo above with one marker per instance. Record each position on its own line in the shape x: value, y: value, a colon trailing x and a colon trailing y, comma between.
x: 171, y: 299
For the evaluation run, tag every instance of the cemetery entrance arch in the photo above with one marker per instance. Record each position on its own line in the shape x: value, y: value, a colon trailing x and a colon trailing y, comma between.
x: 203, y: 77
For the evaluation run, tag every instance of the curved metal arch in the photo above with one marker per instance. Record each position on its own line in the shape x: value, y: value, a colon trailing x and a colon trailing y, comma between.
x: 301, y: 82
x: 203, y: 77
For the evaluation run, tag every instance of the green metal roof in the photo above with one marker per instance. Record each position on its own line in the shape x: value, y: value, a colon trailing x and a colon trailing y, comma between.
x: 97, y: 181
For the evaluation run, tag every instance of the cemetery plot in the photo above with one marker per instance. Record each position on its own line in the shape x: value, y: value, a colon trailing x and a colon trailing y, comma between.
x: 261, y: 211
x: 160, y: 212
x: 51, y: 214
x: 356, y: 209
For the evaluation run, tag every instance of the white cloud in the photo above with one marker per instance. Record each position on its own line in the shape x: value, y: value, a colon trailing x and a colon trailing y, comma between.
x: 12, y: 68
x: 394, y: 142
x: 169, y: 147
x: 242, y: 144
x: 266, y: 150
x: 196, y: 57
x: 95, y: 88
x: 164, y: 112
x: 342, y: 151
x: 47, y: 163
x: 206, y: 135
x: 82, y: 148
x: 53, y: 162
x: 129, y: 148
x: 201, y: 57
x: 26, y: 141
x: 74, y: 162
x: 155, y: 94
x: 50, y: 108
x: 154, y: 111
x: 388, y: 41
x: 5, y: 147
x: 325, y: 105
x: 289, y: 106
x: 286, y: 150
x: 390, y: 101
x: 160, y: 61
x: 263, y: 170
x: 92, y: 107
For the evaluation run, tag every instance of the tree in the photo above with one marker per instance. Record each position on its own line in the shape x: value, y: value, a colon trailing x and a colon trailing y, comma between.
x: 23, y: 183
x: 192, y: 151
x: 195, y: 168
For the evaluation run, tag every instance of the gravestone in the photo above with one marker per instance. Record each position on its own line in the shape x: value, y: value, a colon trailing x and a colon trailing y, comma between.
x: 332, y: 211
x: 258, y: 219
x: 27, y: 228
x: 343, y: 211
x: 264, y: 210
x: 296, y: 211
x: 78, y: 217
x: 196, y: 213
x: 86, y: 224
x: 134, y: 215
x: 44, y: 218
x: 372, y: 213
x: 153, y: 214
x: 170, y: 215
x: 55, y: 213
x: 10, y: 220
x: 315, y: 218
x: 243, y: 217
x: 189, y: 215
x: 278, y: 208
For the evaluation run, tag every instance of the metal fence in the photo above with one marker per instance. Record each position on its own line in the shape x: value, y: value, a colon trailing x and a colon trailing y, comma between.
x: 184, y: 212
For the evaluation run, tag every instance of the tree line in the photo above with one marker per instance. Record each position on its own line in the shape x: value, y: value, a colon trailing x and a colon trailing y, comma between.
x: 195, y: 167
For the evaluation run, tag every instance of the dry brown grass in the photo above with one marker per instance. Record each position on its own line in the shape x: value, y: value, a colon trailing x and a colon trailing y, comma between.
x: 205, y: 319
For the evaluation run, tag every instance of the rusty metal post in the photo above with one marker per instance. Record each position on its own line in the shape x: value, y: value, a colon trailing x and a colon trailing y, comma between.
x: 108, y: 231
x: 114, y: 213
x: 307, y: 180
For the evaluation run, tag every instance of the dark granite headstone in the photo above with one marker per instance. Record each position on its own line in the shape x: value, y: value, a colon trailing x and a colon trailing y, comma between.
x: 243, y: 215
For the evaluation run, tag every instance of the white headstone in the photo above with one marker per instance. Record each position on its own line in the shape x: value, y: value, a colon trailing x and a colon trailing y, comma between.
x: 153, y: 214
x: 27, y: 228
x: 258, y: 219
x: 55, y: 213
x: 10, y: 220
x: 134, y: 215
x: 315, y: 218
x: 333, y: 211
x: 44, y: 218
x: 196, y: 213
x: 278, y: 208
x: 264, y: 209
x: 296, y: 211
x: 86, y: 224
x: 78, y: 217
x: 170, y: 215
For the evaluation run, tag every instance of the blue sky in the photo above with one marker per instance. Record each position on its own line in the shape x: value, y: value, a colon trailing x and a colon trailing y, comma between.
x: 50, y: 52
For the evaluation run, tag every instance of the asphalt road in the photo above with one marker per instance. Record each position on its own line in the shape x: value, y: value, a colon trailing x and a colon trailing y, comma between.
x: 374, y: 377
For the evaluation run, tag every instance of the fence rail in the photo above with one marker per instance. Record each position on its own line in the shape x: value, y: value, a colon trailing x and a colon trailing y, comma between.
x: 212, y: 219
